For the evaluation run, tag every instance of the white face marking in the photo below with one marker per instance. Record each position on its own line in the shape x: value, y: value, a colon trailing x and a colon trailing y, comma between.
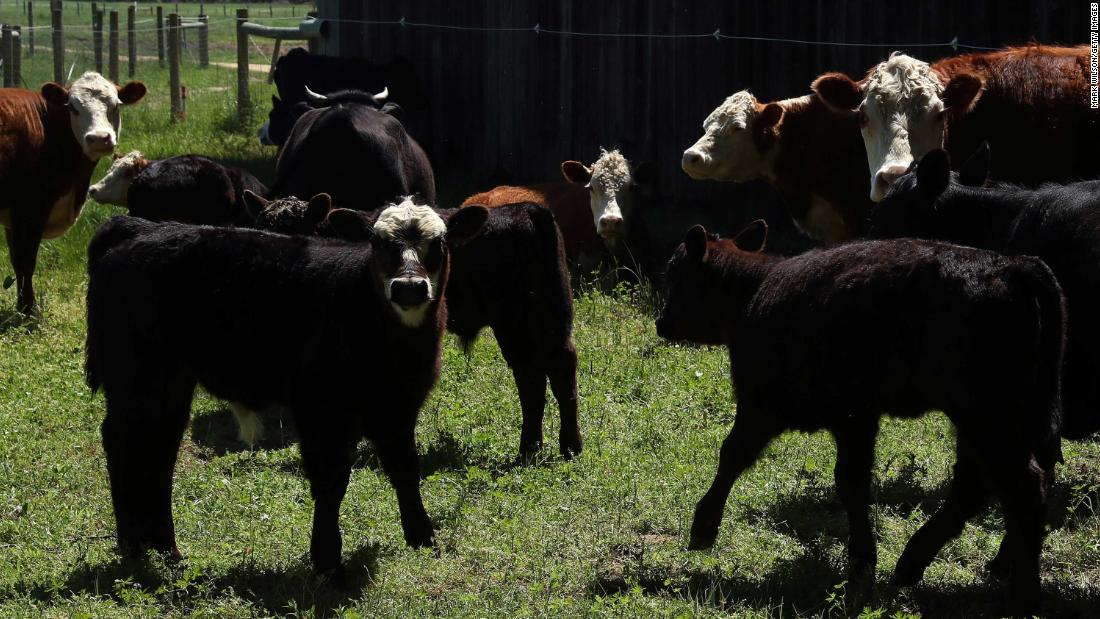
x: 902, y: 118
x: 610, y: 193
x: 95, y: 114
x: 726, y: 151
x: 114, y: 187
x: 62, y: 217
x: 410, y: 223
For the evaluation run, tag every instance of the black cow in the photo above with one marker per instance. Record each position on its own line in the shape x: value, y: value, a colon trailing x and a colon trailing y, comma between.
x: 186, y: 188
x: 299, y: 70
x: 355, y: 152
x: 512, y: 278
x: 831, y: 340
x: 346, y: 336
x: 1058, y: 223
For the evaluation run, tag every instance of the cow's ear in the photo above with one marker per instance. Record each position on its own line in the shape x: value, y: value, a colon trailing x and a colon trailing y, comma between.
x: 318, y: 207
x: 753, y: 237
x: 576, y: 172
x: 696, y: 243
x: 466, y: 224
x: 348, y: 224
x: 393, y: 110
x: 933, y: 173
x: 769, y: 116
x: 961, y: 93
x: 132, y: 92
x: 254, y: 202
x: 838, y: 92
x: 975, y: 172
x: 55, y: 93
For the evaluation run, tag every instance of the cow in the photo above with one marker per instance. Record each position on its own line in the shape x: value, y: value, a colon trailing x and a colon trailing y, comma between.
x: 350, y: 149
x: 812, y: 158
x: 299, y: 69
x: 50, y: 142
x: 597, y: 209
x: 832, y: 339
x: 1058, y: 223
x: 1022, y: 100
x: 346, y: 336
x: 186, y: 188
x: 511, y: 278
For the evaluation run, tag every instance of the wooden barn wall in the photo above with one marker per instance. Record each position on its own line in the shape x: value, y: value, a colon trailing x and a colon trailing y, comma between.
x: 511, y: 106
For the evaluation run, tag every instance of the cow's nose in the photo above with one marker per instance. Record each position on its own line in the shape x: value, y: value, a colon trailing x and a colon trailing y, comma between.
x: 692, y: 159
x: 610, y: 225
x: 885, y: 178
x: 409, y: 291
x: 105, y: 140
x: 94, y: 192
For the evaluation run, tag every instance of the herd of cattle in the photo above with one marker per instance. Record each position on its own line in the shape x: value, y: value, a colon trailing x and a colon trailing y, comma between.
x: 332, y: 307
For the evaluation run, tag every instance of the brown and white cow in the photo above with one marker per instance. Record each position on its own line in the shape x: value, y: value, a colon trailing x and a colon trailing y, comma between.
x: 49, y: 144
x: 812, y: 158
x: 1030, y: 103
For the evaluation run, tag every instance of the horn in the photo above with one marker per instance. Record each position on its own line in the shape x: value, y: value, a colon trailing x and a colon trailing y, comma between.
x: 314, y: 97
x: 381, y: 97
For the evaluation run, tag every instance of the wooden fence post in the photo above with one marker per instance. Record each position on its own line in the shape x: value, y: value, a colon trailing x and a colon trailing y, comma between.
x: 5, y: 53
x: 30, y: 28
x: 17, y: 57
x: 244, y: 105
x: 160, y: 35
x: 97, y: 39
x: 274, y: 58
x: 204, y: 41
x: 174, y: 66
x: 131, y: 41
x: 112, y: 48
x: 58, y: 45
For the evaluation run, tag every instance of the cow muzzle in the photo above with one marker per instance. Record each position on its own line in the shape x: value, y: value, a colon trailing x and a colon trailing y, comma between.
x: 695, y: 163
x: 409, y: 292
x: 884, y: 178
x: 99, y: 144
x: 610, y: 226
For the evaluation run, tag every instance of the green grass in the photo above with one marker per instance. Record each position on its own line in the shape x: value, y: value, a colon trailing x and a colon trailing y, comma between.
x: 603, y: 535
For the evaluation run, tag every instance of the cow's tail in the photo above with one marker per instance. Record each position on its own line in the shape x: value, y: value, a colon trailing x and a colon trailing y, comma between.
x: 552, y: 258
x: 1046, y: 408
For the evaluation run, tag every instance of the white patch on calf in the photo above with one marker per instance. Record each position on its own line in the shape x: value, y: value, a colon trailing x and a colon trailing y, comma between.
x: 411, y: 221
x: 902, y: 118
x: 114, y: 187
x: 96, y: 119
x: 610, y: 192
x: 250, y: 427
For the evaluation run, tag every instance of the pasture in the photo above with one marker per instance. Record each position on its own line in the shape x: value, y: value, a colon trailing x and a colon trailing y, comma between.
x: 602, y: 535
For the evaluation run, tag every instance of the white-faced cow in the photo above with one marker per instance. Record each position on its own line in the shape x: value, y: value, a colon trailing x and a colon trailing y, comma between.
x: 49, y: 144
x: 1030, y: 103
x: 813, y: 159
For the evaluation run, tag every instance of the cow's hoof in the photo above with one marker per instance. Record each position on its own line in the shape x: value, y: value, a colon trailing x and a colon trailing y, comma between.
x: 1000, y: 567
x: 906, y: 573
x: 571, y: 447
x: 422, y: 537
x: 702, y: 535
x: 1024, y: 601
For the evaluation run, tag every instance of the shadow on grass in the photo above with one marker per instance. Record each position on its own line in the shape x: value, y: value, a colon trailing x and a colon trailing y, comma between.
x: 217, y: 432
x: 13, y: 320
x: 275, y: 589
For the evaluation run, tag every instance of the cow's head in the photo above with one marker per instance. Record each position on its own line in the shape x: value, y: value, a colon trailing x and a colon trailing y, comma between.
x: 696, y: 308
x: 288, y: 215
x: 94, y: 105
x: 280, y: 120
x: 612, y: 187
x: 902, y: 107
x: 411, y: 250
x: 738, y: 137
x: 114, y: 187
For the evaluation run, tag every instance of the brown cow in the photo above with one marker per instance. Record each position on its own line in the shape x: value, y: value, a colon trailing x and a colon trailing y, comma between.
x: 812, y: 158
x: 49, y: 144
x: 1030, y: 103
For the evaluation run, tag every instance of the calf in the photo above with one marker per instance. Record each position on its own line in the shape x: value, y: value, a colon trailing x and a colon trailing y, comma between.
x: 355, y: 152
x: 1058, y: 223
x: 597, y: 209
x: 187, y: 188
x: 815, y: 160
x: 49, y: 144
x: 511, y: 278
x: 1023, y: 100
x: 830, y: 340
x: 344, y: 336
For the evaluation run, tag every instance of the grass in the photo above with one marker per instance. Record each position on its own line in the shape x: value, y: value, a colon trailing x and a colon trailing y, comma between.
x: 603, y: 535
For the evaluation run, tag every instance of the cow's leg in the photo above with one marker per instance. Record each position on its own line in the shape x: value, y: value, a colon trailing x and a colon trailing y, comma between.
x: 401, y: 464
x: 563, y: 382
x: 1019, y: 484
x: 531, y: 384
x: 326, y: 457
x: 24, y: 238
x: 122, y: 464
x: 162, y: 448
x: 742, y: 447
x: 855, y: 455
x: 967, y: 496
